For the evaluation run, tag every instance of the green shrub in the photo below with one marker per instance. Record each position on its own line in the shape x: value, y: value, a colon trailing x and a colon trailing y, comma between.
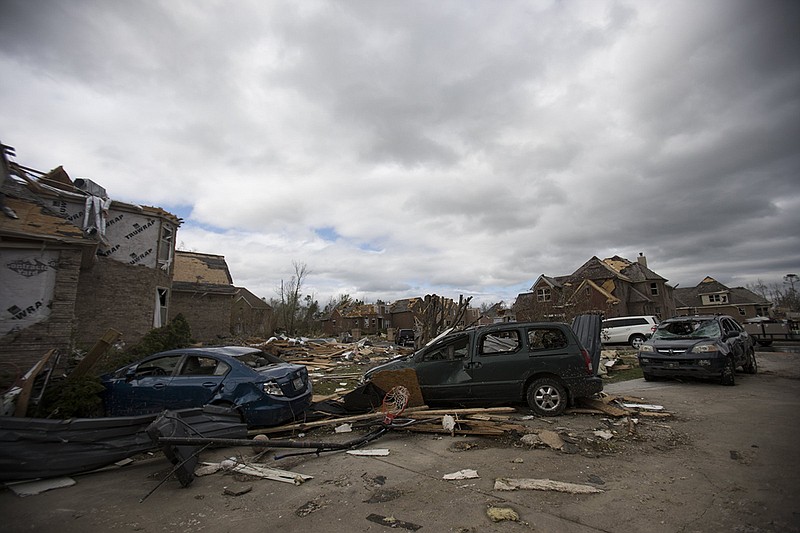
x: 72, y: 398
x: 176, y: 334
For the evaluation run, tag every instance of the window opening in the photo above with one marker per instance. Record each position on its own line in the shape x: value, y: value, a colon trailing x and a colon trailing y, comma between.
x: 547, y: 339
x: 500, y: 342
x: 543, y: 295
x: 160, y: 313
x: 165, y: 246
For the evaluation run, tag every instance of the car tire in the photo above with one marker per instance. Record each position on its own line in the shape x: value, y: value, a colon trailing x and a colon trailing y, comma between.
x: 751, y: 366
x: 649, y: 377
x: 547, y: 397
x: 728, y: 377
x: 636, y: 340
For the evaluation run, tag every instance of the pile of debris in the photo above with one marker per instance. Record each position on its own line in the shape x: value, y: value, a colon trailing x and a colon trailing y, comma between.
x: 326, y: 354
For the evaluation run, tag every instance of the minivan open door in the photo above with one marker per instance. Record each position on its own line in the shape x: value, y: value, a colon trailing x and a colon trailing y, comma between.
x: 587, y: 328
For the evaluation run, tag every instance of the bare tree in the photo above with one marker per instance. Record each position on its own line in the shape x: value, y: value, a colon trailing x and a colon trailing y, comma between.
x: 436, y: 313
x: 290, y: 293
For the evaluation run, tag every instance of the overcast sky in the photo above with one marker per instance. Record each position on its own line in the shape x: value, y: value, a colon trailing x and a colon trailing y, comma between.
x: 409, y: 147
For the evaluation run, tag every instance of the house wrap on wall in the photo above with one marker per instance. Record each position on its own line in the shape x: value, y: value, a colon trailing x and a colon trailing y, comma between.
x: 76, y: 263
x: 614, y: 286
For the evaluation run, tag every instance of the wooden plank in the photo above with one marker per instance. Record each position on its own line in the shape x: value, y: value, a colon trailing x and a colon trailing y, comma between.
x: 27, y: 386
x: 544, y: 484
x: 422, y: 411
x: 605, y: 408
x: 97, y: 351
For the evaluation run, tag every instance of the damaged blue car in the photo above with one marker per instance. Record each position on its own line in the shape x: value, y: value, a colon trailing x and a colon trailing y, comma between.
x: 264, y: 389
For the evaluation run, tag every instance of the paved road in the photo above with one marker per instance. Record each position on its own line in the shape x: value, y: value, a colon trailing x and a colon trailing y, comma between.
x: 727, y: 460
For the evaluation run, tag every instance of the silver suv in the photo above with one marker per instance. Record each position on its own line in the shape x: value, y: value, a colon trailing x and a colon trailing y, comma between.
x: 633, y: 330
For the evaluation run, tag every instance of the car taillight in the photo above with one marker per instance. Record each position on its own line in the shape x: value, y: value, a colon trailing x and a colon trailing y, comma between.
x: 587, y: 360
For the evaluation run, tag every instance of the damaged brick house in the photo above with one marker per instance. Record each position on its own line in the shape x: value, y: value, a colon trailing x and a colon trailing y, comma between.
x: 251, y: 315
x: 364, y: 319
x: 407, y: 313
x: 614, y: 286
x: 712, y: 297
x: 74, y: 264
x: 203, y: 292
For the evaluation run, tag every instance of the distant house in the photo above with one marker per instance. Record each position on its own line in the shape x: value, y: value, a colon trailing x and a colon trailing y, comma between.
x: 203, y: 292
x: 614, y: 286
x: 712, y: 297
x: 250, y: 315
x: 76, y: 263
x: 495, y: 314
x: 372, y: 319
x: 404, y: 311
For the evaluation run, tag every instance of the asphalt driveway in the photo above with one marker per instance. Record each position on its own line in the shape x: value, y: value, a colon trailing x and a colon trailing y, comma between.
x: 725, y: 461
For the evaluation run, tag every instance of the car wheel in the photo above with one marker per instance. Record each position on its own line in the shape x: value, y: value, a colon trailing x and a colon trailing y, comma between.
x: 751, y: 366
x: 729, y: 372
x: 649, y: 377
x: 636, y: 340
x: 547, y: 397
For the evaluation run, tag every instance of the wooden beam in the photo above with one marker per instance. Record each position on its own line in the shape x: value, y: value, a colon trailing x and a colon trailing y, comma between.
x: 97, y: 351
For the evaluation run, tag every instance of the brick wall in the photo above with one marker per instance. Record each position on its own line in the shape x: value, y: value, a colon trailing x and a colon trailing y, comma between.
x: 21, y: 350
x: 208, y: 314
x: 119, y: 296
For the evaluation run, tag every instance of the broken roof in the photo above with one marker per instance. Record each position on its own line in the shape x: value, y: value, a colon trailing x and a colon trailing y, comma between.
x: 36, y: 222
x: 57, y: 183
x: 208, y: 269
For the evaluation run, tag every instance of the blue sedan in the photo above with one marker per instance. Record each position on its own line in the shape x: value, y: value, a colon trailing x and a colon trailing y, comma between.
x: 266, y: 390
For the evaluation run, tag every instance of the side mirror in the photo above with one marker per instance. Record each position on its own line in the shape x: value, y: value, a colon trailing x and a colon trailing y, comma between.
x: 130, y: 374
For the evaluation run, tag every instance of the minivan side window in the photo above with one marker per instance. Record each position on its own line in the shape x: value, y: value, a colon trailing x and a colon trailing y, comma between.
x: 500, y: 342
x: 450, y: 351
x: 546, y: 339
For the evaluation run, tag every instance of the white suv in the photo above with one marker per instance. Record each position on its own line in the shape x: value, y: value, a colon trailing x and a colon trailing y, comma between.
x: 633, y: 330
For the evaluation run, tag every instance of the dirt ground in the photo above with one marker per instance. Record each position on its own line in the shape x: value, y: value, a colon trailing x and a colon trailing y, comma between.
x: 727, y: 460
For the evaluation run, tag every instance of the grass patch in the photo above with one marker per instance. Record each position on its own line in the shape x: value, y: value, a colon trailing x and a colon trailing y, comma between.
x: 623, y: 375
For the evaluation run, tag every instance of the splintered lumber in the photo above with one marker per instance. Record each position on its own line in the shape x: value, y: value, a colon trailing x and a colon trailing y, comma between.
x: 543, y: 484
x: 601, y: 406
x: 422, y: 411
x: 27, y: 386
x: 256, y: 470
x: 467, y: 427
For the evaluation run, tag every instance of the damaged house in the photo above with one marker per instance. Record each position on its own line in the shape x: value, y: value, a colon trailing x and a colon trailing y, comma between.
x: 358, y: 319
x: 203, y: 291
x: 712, y: 297
x: 75, y: 263
x: 614, y: 286
x: 251, y: 315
